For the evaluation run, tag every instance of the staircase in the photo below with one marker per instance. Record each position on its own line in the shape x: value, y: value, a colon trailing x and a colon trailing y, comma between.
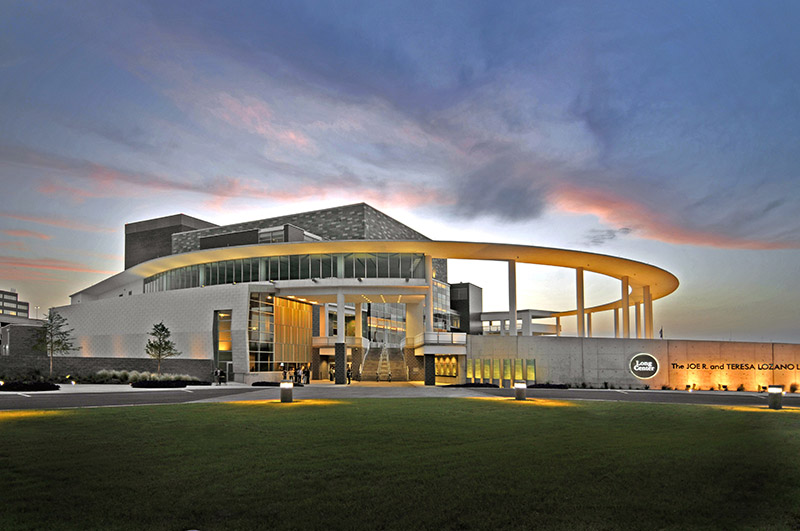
x: 384, y: 364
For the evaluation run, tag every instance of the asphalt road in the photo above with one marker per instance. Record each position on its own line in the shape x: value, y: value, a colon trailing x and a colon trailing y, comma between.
x: 109, y: 397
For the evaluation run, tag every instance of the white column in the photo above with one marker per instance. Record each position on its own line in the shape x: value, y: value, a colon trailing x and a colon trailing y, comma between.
x: 359, y: 327
x: 579, y: 292
x: 616, y: 322
x: 588, y: 325
x: 323, y: 320
x: 526, y: 324
x: 413, y: 321
x: 429, y: 294
x: 626, y: 311
x: 638, y: 314
x: 340, y: 266
x: 340, y: 317
x: 512, y: 298
x: 558, y: 326
x: 502, y: 327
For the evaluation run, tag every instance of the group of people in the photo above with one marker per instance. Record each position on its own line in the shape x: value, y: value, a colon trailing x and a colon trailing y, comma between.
x: 332, y: 373
x: 300, y: 375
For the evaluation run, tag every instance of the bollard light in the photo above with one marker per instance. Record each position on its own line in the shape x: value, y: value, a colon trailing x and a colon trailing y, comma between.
x: 519, y: 390
x: 286, y: 391
x: 775, y: 396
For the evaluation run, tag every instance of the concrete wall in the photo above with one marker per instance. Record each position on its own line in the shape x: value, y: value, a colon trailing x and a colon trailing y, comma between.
x: 595, y: 361
x: 119, y: 327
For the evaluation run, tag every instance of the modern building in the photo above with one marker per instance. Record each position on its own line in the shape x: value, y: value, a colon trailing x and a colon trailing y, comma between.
x: 11, y: 308
x: 14, y: 316
x: 352, y: 287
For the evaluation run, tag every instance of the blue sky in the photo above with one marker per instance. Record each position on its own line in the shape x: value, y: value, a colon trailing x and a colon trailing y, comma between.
x: 666, y: 132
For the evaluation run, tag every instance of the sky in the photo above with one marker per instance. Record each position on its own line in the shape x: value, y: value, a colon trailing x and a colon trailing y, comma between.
x: 664, y: 132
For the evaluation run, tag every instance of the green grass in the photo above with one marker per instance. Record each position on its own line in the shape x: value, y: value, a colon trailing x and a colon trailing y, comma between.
x: 400, y: 464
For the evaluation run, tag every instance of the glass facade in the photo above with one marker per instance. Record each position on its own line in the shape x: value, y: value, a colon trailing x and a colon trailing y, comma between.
x: 279, y: 331
x: 386, y: 323
x: 222, y: 338
x: 293, y: 267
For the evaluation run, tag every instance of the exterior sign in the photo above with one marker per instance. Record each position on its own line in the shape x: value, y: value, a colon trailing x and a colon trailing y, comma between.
x: 644, y: 366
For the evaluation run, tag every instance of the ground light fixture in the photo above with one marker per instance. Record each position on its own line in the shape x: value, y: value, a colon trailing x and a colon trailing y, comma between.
x: 286, y: 391
x: 519, y: 390
x: 775, y: 396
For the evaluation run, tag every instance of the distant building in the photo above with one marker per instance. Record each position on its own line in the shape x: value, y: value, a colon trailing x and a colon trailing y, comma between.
x: 11, y: 306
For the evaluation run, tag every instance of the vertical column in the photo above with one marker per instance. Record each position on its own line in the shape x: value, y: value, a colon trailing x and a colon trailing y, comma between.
x: 588, y: 325
x: 340, y: 316
x: 638, y: 314
x: 626, y: 312
x: 558, y: 326
x: 512, y: 298
x: 340, y: 348
x: 201, y: 276
x: 579, y: 292
x: 430, y: 369
x: 429, y: 296
x: 526, y: 324
x: 616, y: 322
x: 502, y: 327
x: 413, y: 322
x: 359, y: 325
x: 648, y: 313
x: 262, y: 269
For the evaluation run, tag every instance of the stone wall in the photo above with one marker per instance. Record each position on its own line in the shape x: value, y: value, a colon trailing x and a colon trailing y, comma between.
x: 11, y: 366
x: 415, y: 364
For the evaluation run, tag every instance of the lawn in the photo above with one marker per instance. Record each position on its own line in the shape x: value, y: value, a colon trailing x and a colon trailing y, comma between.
x: 400, y: 464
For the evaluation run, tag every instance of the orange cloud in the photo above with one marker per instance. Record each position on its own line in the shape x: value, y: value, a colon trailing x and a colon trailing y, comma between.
x: 255, y: 116
x: 48, y: 263
x: 619, y: 211
x: 57, y: 222
x: 27, y: 234
x: 20, y: 246
x: 15, y: 274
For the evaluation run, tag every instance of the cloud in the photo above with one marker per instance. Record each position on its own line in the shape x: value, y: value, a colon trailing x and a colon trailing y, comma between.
x: 652, y: 222
x: 48, y: 264
x: 27, y: 234
x: 17, y: 274
x: 19, y: 246
x: 601, y: 236
x: 57, y: 222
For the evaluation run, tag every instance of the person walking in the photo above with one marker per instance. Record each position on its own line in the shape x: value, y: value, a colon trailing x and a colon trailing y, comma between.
x: 349, y: 375
x: 217, y: 375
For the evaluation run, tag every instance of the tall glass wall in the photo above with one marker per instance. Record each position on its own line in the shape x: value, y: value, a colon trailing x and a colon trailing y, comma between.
x: 386, y: 323
x: 222, y: 338
x: 294, y: 267
x: 279, y: 331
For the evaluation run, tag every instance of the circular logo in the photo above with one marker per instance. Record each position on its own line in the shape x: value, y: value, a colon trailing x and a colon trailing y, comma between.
x: 644, y: 366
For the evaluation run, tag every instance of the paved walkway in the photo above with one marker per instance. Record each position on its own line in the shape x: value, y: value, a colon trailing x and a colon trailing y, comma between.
x: 89, y: 395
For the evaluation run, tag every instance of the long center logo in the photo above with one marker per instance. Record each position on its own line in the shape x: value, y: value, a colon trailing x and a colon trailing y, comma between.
x: 644, y: 366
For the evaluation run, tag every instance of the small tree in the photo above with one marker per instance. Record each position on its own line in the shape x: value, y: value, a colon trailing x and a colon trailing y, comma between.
x: 160, y: 347
x: 55, y: 339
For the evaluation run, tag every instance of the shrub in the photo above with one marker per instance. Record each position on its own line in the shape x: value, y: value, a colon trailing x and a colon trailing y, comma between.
x: 793, y: 388
x: 156, y: 384
x: 29, y: 386
x: 666, y: 388
x: 740, y: 388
